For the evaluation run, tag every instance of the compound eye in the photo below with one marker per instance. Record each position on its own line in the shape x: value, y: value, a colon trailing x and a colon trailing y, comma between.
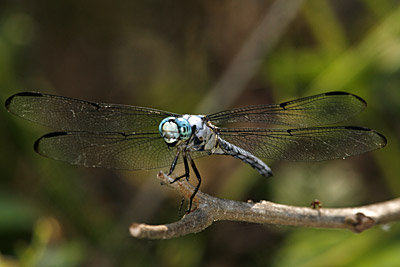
x: 185, y: 130
x: 168, y: 129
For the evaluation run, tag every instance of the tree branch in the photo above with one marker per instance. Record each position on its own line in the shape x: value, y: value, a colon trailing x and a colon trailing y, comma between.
x: 208, y: 209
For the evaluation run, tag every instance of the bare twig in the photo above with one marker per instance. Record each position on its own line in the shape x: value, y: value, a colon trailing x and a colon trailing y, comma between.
x: 208, y: 209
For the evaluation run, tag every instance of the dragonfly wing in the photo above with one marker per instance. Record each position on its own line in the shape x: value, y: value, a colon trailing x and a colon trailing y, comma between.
x: 322, y: 109
x: 78, y: 115
x: 305, y: 144
x: 135, y: 151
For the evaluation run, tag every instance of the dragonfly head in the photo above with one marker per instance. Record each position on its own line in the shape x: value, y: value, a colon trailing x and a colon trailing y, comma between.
x: 174, y: 129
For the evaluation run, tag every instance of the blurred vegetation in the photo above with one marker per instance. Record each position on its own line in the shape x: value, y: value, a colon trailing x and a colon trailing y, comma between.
x: 168, y: 55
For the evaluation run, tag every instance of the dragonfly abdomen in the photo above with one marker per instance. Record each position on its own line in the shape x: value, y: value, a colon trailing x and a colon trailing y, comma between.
x: 245, y: 156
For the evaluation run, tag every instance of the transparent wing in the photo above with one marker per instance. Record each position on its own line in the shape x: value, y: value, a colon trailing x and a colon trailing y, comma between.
x: 305, y: 144
x: 136, y: 151
x: 78, y: 115
x: 322, y: 109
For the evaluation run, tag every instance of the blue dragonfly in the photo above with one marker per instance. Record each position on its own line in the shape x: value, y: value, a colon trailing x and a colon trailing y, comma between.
x: 140, y: 138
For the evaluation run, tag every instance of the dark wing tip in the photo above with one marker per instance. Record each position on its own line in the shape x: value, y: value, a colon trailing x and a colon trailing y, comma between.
x: 345, y: 93
x: 384, y: 143
x: 8, y: 102
x: 11, y: 98
x: 28, y: 94
x: 337, y: 93
x: 49, y: 135
x: 358, y: 128
x: 36, y: 145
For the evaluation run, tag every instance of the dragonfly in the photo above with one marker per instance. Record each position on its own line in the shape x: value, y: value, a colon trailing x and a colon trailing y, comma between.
x: 139, y: 138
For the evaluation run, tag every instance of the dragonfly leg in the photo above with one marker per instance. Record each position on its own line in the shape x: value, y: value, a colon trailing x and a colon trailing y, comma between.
x: 198, y: 184
x: 187, y: 171
x: 173, y: 165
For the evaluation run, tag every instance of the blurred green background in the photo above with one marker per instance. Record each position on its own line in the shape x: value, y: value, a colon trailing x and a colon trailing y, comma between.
x: 195, y: 57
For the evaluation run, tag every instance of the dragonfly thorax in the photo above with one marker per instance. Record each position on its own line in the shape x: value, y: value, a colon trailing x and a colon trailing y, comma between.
x: 204, y: 138
x: 175, y: 129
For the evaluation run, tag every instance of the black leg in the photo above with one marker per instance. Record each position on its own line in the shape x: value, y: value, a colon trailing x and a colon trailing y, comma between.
x: 173, y: 165
x: 187, y: 171
x: 198, y: 184
x: 185, y: 162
